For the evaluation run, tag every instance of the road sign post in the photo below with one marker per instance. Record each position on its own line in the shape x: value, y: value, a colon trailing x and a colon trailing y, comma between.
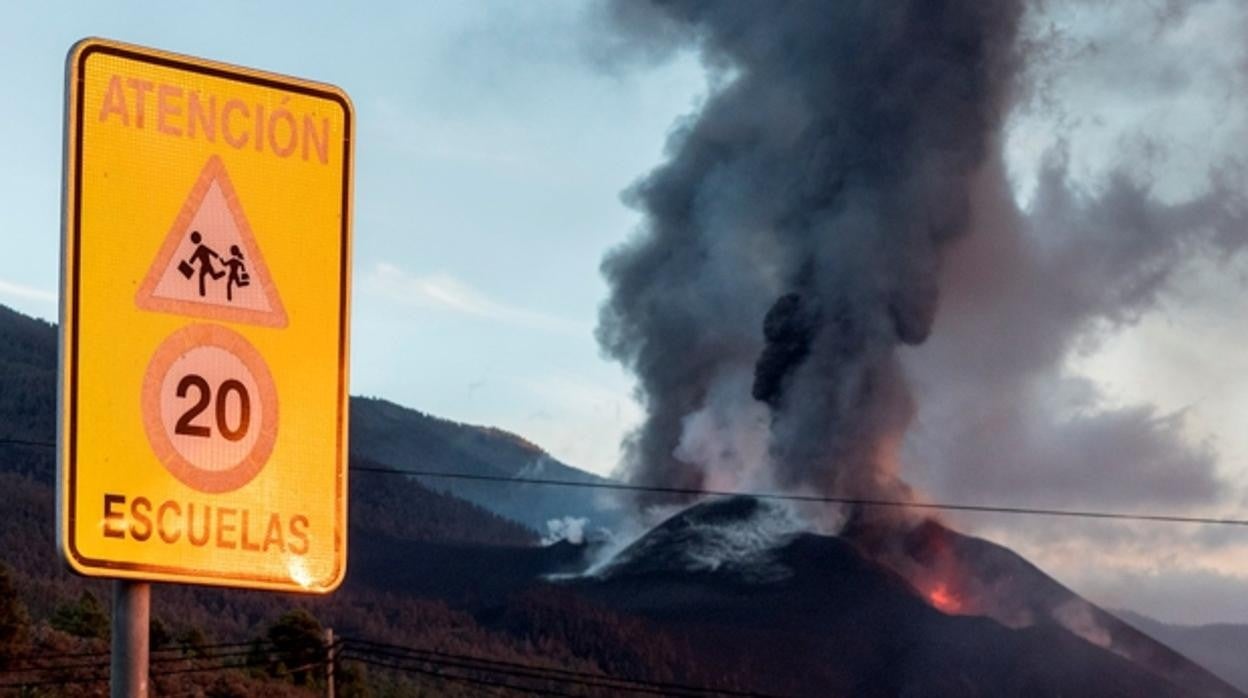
x: 204, y: 323
x: 128, y: 664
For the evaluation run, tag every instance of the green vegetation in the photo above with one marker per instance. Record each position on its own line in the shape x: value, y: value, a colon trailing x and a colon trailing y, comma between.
x: 298, y: 642
x: 84, y: 617
x: 27, y: 392
x: 14, y: 619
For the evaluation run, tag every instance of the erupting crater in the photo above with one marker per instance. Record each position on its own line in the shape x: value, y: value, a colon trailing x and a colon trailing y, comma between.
x: 944, y: 600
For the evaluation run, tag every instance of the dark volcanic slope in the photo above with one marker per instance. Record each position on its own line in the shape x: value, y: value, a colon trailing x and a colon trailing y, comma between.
x: 995, y: 581
x: 810, y: 615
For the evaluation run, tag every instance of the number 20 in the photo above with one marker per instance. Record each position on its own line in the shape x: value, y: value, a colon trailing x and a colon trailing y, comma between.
x: 185, y: 425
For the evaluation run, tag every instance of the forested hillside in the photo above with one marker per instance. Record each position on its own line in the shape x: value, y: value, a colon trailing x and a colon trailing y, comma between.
x: 406, y: 438
x: 426, y: 570
x: 27, y: 391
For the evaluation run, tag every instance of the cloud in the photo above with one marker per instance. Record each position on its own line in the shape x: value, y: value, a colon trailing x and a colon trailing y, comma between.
x: 1187, y: 595
x: 594, y: 414
x: 447, y: 293
x: 15, y: 290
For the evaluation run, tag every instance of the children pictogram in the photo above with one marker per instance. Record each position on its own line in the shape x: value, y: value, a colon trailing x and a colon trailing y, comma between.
x: 200, y: 262
x: 204, y: 255
x: 237, y: 271
x: 209, y: 265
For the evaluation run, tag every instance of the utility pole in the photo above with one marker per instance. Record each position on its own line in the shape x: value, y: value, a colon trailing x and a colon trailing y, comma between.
x: 131, y: 615
x: 329, y: 662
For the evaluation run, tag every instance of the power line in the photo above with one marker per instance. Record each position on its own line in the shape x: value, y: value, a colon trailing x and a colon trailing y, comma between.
x: 197, y: 662
x: 100, y: 678
x: 100, y: 660
x: 444, y: 666
x: 489, y: 683
x: 228, y: 665
x: 27, y: 442
x: 155, y: 651
x: 782, y: 496
x: 519, y: 670
x: 808, y: 498
x: 55, y: 682
x: 204, y: 658
x: 102, y: 664
x: 88, y: 664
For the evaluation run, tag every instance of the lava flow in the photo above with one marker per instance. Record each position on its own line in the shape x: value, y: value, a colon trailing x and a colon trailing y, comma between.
x: 943, y: 599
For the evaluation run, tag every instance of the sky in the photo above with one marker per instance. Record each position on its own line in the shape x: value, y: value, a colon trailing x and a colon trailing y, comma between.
x: 494, y: 141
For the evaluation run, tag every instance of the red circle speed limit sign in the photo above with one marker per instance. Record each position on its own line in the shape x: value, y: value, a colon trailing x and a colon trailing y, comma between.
x: 210, y: 408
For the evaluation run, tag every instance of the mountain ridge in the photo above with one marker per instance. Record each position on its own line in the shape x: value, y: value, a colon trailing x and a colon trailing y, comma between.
x: 408, y: 439
x: 1218, y: 646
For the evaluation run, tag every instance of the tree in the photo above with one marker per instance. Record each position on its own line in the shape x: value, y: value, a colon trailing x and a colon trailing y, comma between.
x: 297, y: 639
x: 158, y: 633
x: 192, y: 641
x: 14, y: 620
x: 84, y: 618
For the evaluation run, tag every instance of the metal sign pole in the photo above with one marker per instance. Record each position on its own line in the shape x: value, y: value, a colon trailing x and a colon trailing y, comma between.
x: 131, y: 615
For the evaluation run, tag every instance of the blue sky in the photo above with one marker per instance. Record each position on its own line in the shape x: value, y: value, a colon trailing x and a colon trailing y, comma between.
x: 493, y: 142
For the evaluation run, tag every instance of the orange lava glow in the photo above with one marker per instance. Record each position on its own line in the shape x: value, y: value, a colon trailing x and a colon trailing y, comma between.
x: 943, y: 599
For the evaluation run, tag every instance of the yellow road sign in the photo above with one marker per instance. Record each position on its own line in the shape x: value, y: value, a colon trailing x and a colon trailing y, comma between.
x: 204, y: 322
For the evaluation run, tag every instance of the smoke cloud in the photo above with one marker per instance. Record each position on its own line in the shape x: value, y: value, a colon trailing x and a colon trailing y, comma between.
x: 843, y: 266
x: 793, y: 241
x: 1125, y: 227
x: 1026, y: 292
x: 1126, y: 200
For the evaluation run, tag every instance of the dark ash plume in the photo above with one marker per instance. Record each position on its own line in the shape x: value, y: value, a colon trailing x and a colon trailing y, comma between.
x: 812, y: 197
x: 789, y: 328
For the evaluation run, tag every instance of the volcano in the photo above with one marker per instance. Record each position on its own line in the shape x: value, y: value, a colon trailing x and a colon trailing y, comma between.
x: 854, y: 615
x: 961, y: 574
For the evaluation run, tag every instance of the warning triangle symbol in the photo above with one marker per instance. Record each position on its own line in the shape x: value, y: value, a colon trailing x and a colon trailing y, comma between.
x: 210, y: 265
